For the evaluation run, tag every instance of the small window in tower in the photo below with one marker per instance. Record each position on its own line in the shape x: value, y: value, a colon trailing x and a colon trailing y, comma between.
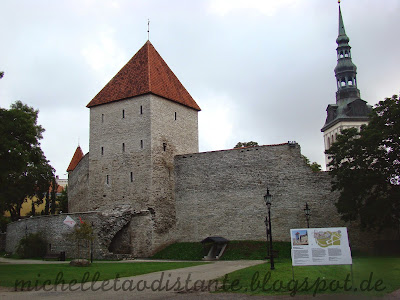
x: 329, y: 142
x: 165, y: 146
x: 346, y: 54
x: 108, y: 179
x: 123, y: 147
x: 341, y: 54
x: 102, y: 118
x: 102, y: 150
x: 141, y: 109
x: 175, y: 116
x: 123, y: 114
x: 141, y: 144
x: 350, y: 82
x: 131, y: 176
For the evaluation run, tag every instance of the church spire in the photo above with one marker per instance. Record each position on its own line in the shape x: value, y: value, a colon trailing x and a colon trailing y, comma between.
x: 341, y: 24
x: 345, y: 71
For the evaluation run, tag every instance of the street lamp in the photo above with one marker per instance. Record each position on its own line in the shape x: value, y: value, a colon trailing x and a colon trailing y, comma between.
x: 267, y: 199
x: 307, y: 212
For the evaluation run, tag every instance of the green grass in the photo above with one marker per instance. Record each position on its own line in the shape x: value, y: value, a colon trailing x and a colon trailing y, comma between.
x: 375, y: 275
x: 40, y: 273
x: 236, y: 250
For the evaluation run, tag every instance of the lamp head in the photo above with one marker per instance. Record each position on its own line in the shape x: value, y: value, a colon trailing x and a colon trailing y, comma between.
x: 267, y: 198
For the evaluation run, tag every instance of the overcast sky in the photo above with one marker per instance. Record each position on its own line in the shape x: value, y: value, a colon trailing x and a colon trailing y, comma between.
x: 260, y: 70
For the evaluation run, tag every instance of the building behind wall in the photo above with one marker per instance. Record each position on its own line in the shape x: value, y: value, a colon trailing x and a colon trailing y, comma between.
x: 349, y: 111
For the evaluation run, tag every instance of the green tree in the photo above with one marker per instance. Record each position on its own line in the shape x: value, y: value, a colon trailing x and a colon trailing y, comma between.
x: 365, y: 167
x: 62, y: 201
x: 21, y: 158
x: 314, y: 166
x: 82, y: 236
x: 246, y: 144
x: 1, y: 74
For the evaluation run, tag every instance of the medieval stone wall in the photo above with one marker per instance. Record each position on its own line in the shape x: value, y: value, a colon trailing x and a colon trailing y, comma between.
x: 221, y: 194
x: 78, y: 186
x: 113, y: 229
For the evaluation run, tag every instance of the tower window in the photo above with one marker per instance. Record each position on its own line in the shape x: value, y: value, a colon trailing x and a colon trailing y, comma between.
x: 123, y: 147
x: 175, y: 116
x: 131, y: 176
x: 165, y: 146
x: 102, y: 150
x: 141, y: 144
x: 141, y: 109
x: 123, y: 114
x: 329, y: 142
x: 108, y: 179
x: 102, y: 118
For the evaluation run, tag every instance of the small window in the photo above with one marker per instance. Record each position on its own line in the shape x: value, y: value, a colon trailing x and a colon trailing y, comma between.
x: 108, y: 179
x: 165, y: 146
x: 102, y: 150
x: 141, y: 109
x: 131, y: 176
x: 141, y: 144
x: 123, y: 147
x: 175, y: 116
x: 102, y: 118
x: 123, y: 114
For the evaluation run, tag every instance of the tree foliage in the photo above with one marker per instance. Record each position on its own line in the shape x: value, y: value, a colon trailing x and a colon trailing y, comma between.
x: 314, y: 166
x: 62, y: 201
x: 32, y: 246
x: 246, y: 144
x: 24, y: 170
x: 83, y: 236
x: 365, y: 167
x: 1, y: 74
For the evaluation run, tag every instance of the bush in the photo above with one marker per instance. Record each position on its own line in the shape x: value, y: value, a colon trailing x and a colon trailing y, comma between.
x: 32, y: 246
x: 3, y: 223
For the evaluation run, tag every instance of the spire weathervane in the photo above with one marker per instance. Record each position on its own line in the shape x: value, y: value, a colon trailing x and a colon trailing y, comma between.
x: 148, y: 29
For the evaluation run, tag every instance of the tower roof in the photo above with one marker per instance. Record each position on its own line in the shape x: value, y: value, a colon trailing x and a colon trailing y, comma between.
x: 78, y: 155
x: 146, y: 72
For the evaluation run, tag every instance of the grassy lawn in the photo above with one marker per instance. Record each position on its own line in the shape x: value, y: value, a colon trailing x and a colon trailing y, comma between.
x: 50, y: 273
x: 373, y: 276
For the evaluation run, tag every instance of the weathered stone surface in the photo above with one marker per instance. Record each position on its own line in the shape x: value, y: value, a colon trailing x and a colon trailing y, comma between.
x: 79, y: 262
x: 221, y: 194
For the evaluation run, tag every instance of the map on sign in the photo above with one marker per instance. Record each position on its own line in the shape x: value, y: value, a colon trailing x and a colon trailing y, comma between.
x: 320, y: 246
x: 327, y: 238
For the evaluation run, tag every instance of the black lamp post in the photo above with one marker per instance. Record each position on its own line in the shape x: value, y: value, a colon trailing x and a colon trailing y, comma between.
x: 267, y: 199
x: 307, y: 212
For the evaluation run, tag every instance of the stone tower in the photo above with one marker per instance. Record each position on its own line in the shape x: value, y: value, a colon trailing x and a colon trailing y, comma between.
x: 350, y: 110
x: 139, y: 121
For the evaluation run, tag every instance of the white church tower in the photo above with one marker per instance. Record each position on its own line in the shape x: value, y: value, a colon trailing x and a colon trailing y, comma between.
x: 349, y: 110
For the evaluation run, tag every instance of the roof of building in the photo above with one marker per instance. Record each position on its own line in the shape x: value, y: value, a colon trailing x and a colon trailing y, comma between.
x: 146, y: 72
x: 78, y: 155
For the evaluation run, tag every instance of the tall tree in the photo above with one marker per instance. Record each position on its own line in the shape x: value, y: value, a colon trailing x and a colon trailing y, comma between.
x: 21, y: 158
x: 1, y: 74
x: 365, y: 167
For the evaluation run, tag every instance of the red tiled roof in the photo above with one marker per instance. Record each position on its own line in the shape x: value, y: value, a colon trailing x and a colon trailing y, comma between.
x: 146, y: 72
x: 75, y: 159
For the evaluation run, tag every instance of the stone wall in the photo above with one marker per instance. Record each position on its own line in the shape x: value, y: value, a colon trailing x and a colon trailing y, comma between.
x: 109, y: 231
x: 221, y: 194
